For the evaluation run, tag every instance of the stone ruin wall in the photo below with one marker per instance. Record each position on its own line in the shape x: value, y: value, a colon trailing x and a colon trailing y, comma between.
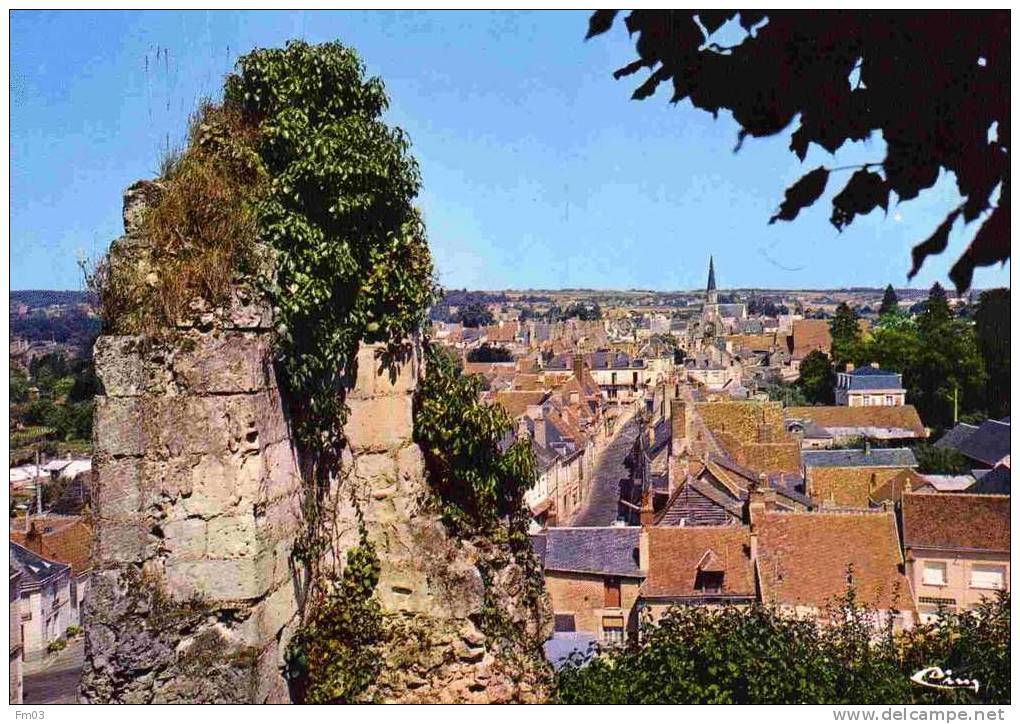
x: 197, y: 503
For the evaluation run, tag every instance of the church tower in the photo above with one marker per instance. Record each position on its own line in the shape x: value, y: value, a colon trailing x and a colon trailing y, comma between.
x: 711, y: 296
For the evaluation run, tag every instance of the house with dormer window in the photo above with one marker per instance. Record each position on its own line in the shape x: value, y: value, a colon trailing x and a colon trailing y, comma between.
x: 869, y: 387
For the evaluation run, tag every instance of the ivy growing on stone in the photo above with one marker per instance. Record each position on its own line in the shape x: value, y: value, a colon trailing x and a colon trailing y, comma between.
x: 478, y: 468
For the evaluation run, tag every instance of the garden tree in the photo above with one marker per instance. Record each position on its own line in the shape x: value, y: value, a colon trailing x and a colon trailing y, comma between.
x: 846, y: 336
x: 895, y: 344
x: 936, y: 314
x: 19, y: 386
x: 890, y: 302
x: 948, y: 375
x: 991, y: 324
x: 489, y: 353
x: 817, y: 379
x: 847, y: 76
x: 758, y: 655
x: 790, y: 395
x: 939, y: 460
x: 475, y: 314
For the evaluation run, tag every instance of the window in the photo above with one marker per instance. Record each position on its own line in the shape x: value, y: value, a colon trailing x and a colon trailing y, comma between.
x: 709, y: 581
x: 564, y: 622
x: 612, y: 630
x: 889, y: 399
x: 934, y: 573
x: 612, y: 597
x: 987, y: 577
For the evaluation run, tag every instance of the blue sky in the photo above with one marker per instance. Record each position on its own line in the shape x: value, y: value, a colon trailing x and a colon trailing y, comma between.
x: 538, y: 170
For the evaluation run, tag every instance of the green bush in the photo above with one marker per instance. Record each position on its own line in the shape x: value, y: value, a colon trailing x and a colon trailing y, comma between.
x: 56, y: 645
x: 757, y: 655
x: 73, y: 630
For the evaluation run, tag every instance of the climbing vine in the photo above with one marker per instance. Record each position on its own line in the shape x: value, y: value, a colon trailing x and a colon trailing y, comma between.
x: 478, y: 469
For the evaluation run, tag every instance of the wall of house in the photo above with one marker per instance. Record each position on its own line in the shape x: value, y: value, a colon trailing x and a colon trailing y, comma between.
x: 584, y: 596
x: 48, y: 615
x: 846, y: 487
x: 958, y: 570
x: 16, y: 650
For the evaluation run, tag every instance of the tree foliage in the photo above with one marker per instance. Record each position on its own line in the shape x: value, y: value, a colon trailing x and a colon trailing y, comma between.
x: 846, y: 76
x: 817, y: 379
x: 846, y: 335
x: 890, y: 302
x: 991, y: 323
x: 490, y: 353
x: 758, y: 655
x: 474, y: 314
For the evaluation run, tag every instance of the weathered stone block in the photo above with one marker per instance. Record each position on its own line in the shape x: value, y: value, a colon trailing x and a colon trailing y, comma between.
x: 118, y: 426
x: 213, y: 488
x: 379, y: 424
x: 223, y: 362
x: 381, y: 375
x: 115, y: 487
x: 231, y: 536
x: 186, y: 539
x: 235, y: 579
x: 121, y: 542
x: 119, y: 365
x: 376, y: 470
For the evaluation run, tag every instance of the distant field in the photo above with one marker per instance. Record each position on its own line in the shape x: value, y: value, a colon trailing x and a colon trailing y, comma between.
x: 46, y: 297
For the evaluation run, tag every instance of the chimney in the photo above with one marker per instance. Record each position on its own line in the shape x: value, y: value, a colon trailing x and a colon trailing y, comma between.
x: 867, y: 446
x: 757, y: 495
x: 875, y: 365
x: 578, y: 361
x: 849, y: 366
x: 644, y: 552
x: 678, y: 425
x: 646, y: 515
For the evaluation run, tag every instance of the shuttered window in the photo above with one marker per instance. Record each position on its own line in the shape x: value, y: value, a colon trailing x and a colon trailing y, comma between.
x: 987, y: 577
x: 934, y: 574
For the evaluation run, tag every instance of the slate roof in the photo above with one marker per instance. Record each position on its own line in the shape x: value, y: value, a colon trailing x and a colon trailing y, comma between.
x: 877, y: 457
x: 950, y: 483
x: 35, y: 570
x: 803, y: 558
x: 676, y: 554
x: 611, y: 550
x: 870, y: 378
x: 995, y: 482
x: 956, y: 520
x: 955, y: 437
x: 699, y: 503
x: 988, y: 444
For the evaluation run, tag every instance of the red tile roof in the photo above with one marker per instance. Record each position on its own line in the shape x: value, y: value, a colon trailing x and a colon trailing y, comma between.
x: 676, y: 554
x: 61, y: 538
x: 956, y: 520
x: 900, y: 417
x: 810, y: 335
x: 803, y: 559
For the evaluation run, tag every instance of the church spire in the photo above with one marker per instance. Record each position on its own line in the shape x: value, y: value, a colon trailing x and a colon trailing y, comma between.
x: 711, y: 275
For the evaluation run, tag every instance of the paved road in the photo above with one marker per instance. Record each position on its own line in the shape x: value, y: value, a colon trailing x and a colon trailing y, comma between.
x: 604, y: 497
x: 55, y: 679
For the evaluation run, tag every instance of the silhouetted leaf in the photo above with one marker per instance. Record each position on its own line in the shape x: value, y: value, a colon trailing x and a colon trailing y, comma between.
x: 803, y: 193
x: 990, y: 245
x: 864, y: 191
x: 750, y: 18
x: 714, y: 19
x: 629, y: 69
x: 599, y: 22
x: 648, y: 87
x: 934, y: 244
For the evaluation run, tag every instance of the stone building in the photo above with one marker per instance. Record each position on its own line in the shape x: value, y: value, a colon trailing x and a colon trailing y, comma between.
x: 848, y: 478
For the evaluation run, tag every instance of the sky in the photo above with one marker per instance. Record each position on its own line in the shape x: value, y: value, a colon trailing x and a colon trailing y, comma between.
x: 538, y: 170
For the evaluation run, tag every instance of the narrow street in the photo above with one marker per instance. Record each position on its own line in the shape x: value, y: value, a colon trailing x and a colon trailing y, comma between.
x: 54, y: 680
x: 604, y: 499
